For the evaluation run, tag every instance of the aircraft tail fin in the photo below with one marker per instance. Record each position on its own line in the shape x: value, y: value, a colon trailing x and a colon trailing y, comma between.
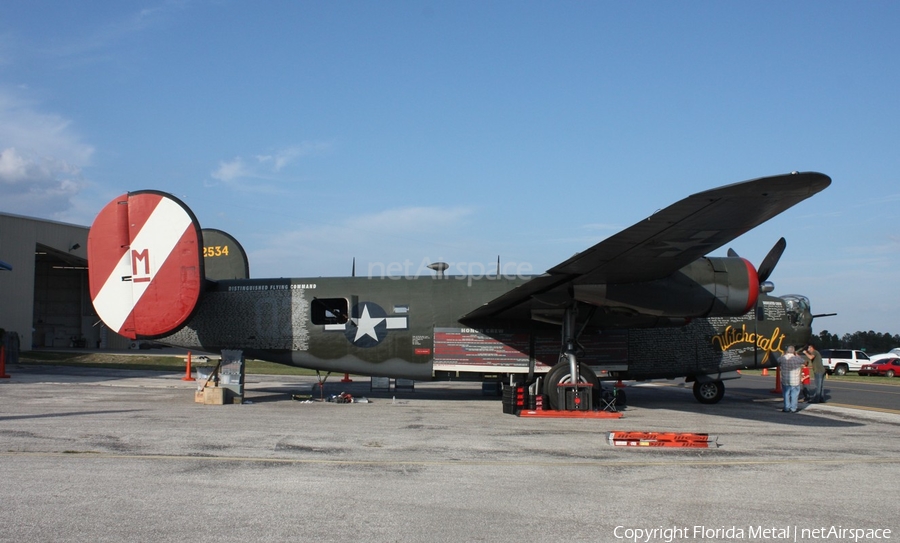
x: 146, y: 266
x: 223, y: 256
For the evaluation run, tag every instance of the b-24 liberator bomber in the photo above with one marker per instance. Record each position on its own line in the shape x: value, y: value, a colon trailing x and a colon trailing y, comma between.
x: 645, y: 303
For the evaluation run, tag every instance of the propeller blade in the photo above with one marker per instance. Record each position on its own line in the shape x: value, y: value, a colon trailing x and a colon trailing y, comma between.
x: 768, y: 263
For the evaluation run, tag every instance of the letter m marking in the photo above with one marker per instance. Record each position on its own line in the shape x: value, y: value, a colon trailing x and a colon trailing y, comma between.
x: 140, y: 276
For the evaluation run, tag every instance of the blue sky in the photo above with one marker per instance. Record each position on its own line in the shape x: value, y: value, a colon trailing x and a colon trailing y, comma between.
x: 411, y: 132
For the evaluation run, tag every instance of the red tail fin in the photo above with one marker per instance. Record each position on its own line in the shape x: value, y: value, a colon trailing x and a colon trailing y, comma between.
x: 146, y: 264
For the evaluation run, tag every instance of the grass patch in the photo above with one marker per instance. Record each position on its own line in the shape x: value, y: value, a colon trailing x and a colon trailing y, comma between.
x: 176, y: 363
x: 849, y: 378
x: 144, y: 362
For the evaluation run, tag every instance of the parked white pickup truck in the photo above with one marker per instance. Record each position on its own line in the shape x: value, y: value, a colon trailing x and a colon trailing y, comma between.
x: 840, y: 361
x: 893, y: 353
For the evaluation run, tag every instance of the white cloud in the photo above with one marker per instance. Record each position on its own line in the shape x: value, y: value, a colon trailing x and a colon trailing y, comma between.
x: 88, y: 43
x: 283, y: 157
x: 392, y: 235
x: 263, y: 167
x: 14, y: 168
x: 881, y: 200
x: 421, y: 219
x: 33, y: 132
x: 420, y: 224
x: 41, y: 160
x: 231, y: 171
x: 601, y: 227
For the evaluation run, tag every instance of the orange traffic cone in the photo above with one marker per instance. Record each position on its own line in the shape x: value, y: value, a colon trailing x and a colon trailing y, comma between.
x: 777, y: 389
x: 187, y: 370
x: 765, y: 372
x: 3, y: 363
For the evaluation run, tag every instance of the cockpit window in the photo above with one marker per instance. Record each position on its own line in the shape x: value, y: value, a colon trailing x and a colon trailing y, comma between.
x: 797, y: 308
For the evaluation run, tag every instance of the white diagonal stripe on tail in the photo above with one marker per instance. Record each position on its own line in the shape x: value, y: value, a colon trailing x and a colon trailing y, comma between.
x: 159, y: 235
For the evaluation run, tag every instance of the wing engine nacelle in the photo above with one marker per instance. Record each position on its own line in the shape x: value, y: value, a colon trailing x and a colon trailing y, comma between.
x: 708, y: 287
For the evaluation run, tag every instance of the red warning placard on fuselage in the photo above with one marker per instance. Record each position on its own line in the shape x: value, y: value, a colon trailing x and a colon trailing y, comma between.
x: 146, y: 265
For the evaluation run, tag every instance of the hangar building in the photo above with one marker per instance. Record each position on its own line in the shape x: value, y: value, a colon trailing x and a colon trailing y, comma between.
x: 44, y: 292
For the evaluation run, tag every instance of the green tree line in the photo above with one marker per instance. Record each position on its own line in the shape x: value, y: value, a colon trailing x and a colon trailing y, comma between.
x: 871, y: 342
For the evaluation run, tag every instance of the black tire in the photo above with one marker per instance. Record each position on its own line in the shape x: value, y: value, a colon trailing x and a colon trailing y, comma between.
x: 889, y: 373
x: 840, y: 369
x: 561, y: 371
x: 709, y: 392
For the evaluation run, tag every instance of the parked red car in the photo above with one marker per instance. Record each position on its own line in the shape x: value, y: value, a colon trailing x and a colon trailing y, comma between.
x: 888, y: 367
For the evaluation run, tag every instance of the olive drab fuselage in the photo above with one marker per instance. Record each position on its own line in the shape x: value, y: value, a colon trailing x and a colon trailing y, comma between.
x: 410, y: 327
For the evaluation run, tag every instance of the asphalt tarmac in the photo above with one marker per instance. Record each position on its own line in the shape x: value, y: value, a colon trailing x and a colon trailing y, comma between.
x: 115, y: 455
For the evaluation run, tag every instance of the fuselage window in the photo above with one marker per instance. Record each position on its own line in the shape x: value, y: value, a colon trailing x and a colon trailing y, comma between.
x: 329, y: 310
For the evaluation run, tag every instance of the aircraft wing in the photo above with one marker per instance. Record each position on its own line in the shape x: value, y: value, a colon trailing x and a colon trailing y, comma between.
x: 668, y: 240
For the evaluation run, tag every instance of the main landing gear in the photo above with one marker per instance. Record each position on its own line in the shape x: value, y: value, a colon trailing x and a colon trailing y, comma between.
x: 561, y: 375
x: 570, y: 384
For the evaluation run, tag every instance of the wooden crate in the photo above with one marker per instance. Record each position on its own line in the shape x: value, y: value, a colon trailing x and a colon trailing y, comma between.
x: 210, y: 396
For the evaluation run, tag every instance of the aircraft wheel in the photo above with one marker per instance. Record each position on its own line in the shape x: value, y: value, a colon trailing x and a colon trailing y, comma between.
x: 560, y: 373
x: 709, y: 392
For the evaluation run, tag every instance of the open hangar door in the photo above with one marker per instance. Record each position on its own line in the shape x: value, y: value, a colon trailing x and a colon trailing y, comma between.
x: 63, y: 314
x: 44, y: 293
